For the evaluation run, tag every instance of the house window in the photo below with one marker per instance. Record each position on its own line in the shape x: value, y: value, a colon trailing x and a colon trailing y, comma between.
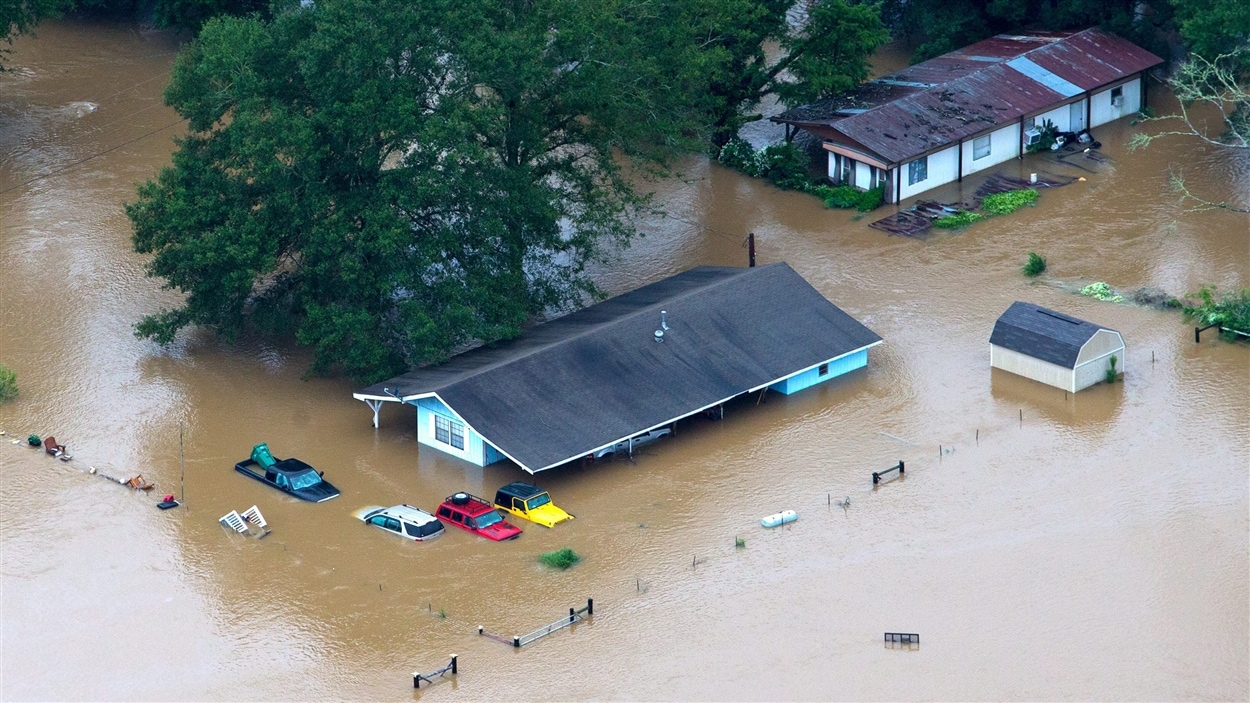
x: 823, y: 370
x: 448, y: 432
x: 980, y: 147
x: 848, y: 170
x: 917, y: 170
x: 1117, y: 96
x: 1030, y: 124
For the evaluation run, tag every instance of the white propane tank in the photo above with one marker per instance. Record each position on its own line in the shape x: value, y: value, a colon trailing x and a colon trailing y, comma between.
x: 780, y: 518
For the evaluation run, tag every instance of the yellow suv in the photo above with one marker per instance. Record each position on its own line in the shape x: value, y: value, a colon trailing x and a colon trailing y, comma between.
x: 530, y: 502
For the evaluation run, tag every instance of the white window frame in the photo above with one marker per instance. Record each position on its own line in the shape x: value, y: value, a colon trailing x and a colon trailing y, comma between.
x: 981, y: 147
x: 447, y: 431
x: 918, y: 171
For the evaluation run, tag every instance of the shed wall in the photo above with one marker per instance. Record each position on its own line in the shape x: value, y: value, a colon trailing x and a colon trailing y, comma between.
x: 1101, y: 111
x: 1030, y: 367
x: 1095, y: 358
x: 1004, y: 145
x: 809, y: 378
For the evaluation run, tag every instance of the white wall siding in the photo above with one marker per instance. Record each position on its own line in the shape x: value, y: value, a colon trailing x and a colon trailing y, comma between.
x: 1101, y: 111
x: 1004, y: 145
x: 1030, y: 367
x: 943, y: 168
x: 1059, y: 116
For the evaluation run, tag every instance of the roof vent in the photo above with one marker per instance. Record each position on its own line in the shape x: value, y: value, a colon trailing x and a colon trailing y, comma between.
x: 659, y: 334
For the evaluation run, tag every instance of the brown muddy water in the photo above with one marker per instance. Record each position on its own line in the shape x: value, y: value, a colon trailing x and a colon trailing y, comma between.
x: 1088, y: 547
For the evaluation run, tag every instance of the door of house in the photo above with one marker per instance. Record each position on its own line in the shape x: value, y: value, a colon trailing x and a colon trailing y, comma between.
x: 1076, y: 116
x: 863, y: 176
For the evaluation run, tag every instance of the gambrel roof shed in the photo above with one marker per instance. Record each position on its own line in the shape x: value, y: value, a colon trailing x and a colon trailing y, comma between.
x: 1052, y: 347
x: 573, y: 386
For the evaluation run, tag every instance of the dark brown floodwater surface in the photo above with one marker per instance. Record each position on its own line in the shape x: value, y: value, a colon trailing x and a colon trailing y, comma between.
x: 1095, y: 549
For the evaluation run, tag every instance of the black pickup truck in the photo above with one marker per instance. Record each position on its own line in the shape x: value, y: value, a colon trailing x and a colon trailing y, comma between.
x: 289, y: 476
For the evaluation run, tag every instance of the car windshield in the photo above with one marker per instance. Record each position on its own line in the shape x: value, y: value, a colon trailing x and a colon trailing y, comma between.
x: 308, y: 479
x: 487, y: 520
x: 537, y: 501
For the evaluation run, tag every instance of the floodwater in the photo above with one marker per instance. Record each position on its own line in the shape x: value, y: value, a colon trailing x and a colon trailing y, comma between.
x: 1044, y: 546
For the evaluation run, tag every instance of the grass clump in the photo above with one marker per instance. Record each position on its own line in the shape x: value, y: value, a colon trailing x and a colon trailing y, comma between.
x: 963, y: 218
x: 739, y: 543
x: 560, y: 559
x: 1101, y: 291
x: 8, y: 384
x: 1035, y: 265
x: 1230, y: 311
x: 1009, y: 202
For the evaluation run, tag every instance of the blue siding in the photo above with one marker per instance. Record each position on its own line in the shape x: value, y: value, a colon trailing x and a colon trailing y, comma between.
x: 811, y: 377
x: 477, y: 451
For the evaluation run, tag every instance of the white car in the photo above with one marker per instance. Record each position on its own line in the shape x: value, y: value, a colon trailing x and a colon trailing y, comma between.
x: 404, y: 520
x: 639, y: 440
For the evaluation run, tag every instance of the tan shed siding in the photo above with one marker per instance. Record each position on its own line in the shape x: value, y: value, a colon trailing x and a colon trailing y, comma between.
x: 1102, y: 343
x: 1029, y: 367
x: 1095, y: 358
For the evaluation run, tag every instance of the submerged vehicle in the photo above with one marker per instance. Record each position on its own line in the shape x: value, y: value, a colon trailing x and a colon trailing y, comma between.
x: 468, y: 512
x: 633, y: 443
x: 288, y: 475
x: 530, y: 502
x: 404, y: 520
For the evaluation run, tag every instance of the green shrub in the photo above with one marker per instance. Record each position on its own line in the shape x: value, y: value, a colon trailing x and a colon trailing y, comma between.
x: 1009, y: 202
x: 8, y: 384
x: 1101, y: 291
x: 738, y: 154
x: 870, y: 200
x: 1035, y: 265
x: 1111, y: 374
x: 560, y: 559
x: 959, y: 219
x: 842, y: 197
x: 1232, y: 310
x: 739, y: 543
x: 1049, y: 132
x: 785, y: 165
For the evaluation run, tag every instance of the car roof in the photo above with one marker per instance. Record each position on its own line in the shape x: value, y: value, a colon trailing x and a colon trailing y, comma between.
x: 407, y: 513
x: 290, y: 466
x: 521, y: 489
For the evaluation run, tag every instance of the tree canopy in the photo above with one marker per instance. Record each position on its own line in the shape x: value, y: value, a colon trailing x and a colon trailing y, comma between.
x: 396, y: 180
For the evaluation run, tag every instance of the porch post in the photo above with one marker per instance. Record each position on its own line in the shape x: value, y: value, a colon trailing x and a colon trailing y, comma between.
x: 375, y: 405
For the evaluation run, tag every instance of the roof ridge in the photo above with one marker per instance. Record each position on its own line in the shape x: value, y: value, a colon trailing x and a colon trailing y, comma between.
x: 608, y: 323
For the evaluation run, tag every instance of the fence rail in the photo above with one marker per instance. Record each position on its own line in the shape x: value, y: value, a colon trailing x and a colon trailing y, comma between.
x: 906, y: 637
x: 418, y: 677
x: 573, y: 617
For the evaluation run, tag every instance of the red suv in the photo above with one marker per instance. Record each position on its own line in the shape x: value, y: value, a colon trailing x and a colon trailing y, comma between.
x: 468, y: 512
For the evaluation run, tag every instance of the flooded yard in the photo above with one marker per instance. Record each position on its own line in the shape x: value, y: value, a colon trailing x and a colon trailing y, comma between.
x: 1044, y: 545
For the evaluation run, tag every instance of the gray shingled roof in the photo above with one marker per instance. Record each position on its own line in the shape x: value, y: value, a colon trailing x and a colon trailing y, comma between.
x: 1043, y: 334
x: 568, y: 387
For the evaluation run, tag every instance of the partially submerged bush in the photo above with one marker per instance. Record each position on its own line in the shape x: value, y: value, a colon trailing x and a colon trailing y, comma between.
x: 560, y: 559
x: 842, y: 197
x: 738, y: 154
x: 871, y: 199
x: 1035, y: 265
x: 8, y: 384
x: 1101, y: 291
x: 1232, y: 310
x: 962, y: 218
x: 1009, y: 202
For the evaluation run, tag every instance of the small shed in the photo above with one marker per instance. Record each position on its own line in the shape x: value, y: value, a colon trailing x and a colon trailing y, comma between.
x: 1054, y: 348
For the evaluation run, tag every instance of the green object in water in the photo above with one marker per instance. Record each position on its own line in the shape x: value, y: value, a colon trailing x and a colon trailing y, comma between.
x: 261, y: 455
x: 34, y: 440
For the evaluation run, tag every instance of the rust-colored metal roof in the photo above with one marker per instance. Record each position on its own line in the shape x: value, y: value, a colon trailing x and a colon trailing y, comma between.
x: 983, y: 85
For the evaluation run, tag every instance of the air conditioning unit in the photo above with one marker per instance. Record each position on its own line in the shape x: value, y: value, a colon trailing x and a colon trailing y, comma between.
x: 1032, y: 136
x: 1117, y: 101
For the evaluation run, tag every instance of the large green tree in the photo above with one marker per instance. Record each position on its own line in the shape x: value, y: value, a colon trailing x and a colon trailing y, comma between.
x: 396, y: 180
x: 742, y: 51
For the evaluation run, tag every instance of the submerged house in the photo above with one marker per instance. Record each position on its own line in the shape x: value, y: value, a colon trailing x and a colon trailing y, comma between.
x: 1053, y: 348
x: 962, y: 112
x: 638, y: 362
